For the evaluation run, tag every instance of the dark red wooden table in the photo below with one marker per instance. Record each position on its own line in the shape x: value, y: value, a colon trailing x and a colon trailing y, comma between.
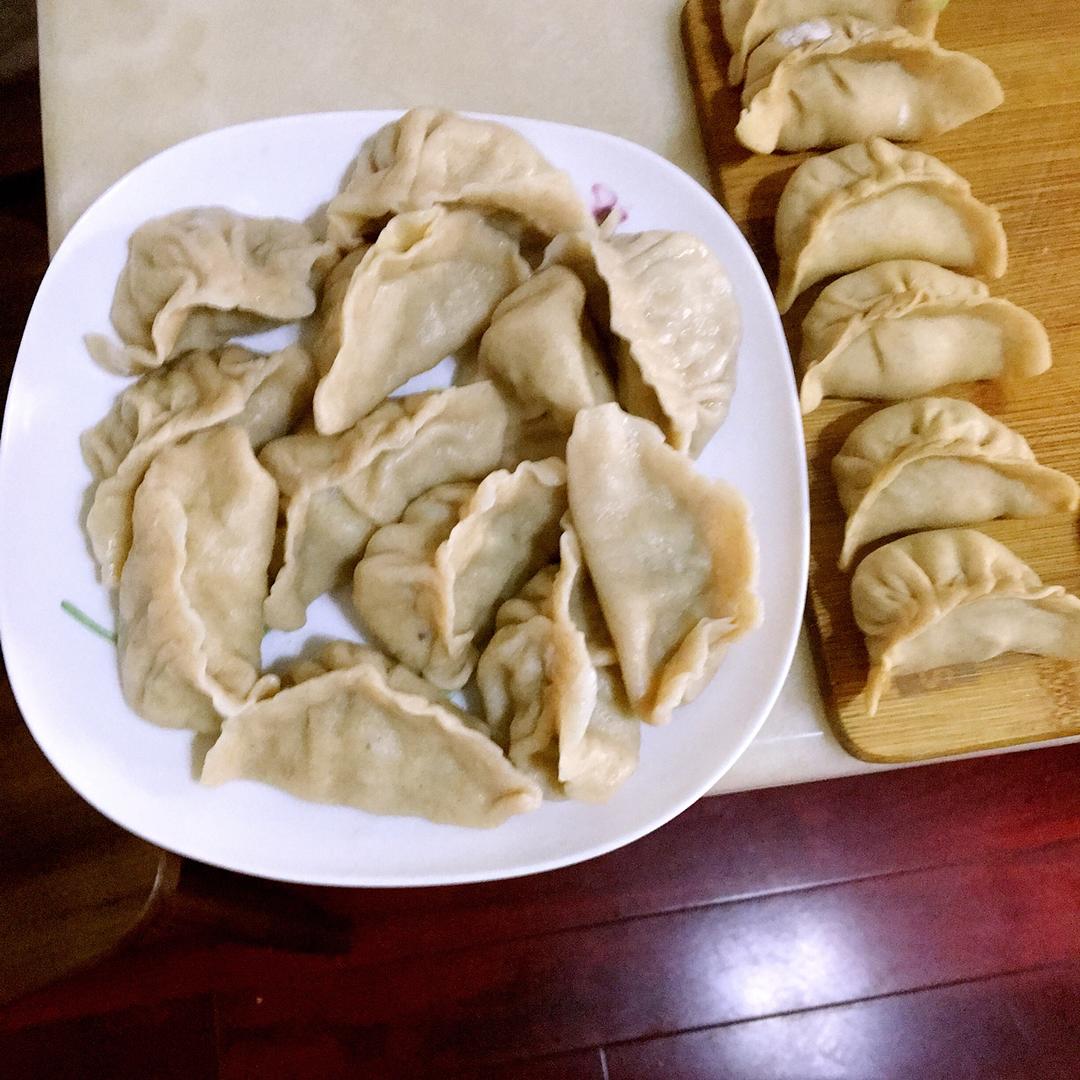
x: 923, y: 923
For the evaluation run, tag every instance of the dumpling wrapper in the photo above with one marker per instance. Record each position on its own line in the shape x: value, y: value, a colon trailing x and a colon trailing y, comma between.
x: 432, y: 156
x: 337, y: 654
x: 903, y: 328
x: 265, y: 395
x: 373, y: 737
x: 191, y: 593
x: 542, y: 349
x: 196, y: 278
x: 937, y: 462
x: 671, y: 553
x: 671, y: 307
x: 858, y: 81
x: 423, y: 290
x: 328, y: 322
x: 747, y: 23
x: 955, y: 596
x: 337, y: 490
x: 551, y: 688
x: 873, y: 201
x: 429, y: 585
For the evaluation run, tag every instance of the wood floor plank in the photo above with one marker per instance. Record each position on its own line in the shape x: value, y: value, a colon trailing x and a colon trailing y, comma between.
x: 580, y: 1065
x: 20, y: 148
x: 166, y: 1041
x: 1046, y: 1012
x: 973, y: 1031
x: 388, y: 1053
x: 22, y: 235
x: 723, y: 849
x: 749, y: 844
x: 691, y: 969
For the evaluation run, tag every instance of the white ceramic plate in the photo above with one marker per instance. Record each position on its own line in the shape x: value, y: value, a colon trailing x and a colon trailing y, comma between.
x: 141, y: 776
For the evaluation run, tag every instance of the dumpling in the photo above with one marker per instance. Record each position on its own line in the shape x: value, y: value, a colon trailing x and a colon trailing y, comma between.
x: 265, y: 395
x: 337, y: 654
x: 833, y: 82
x: 431, y: 156
x: 671, y: 553
x: 903, y: 328
x: 329, y: 321
x: 191, y: 593
x: 747, y: 23
x: 934, y: 462
x: 955, y: 596
x: 423, y: 290
x: 370, y: 736
x: 542, y: 349
x: 428, y: 586
x: 550, y: 683
x: 873, y: 201
x: 677, y: 325
x: 337, y: 490
x: 196, y: 278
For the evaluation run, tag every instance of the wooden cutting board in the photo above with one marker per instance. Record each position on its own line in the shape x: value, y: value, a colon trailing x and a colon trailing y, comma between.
x: 1023, y: 158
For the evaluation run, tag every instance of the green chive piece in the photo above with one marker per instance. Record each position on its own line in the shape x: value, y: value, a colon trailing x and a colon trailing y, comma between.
x: 90, y: 624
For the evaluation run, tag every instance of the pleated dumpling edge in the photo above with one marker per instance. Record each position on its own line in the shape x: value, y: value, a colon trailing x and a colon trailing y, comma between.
x: 836, y: 81
x: 672, y: 555
x: 937, y: 462
x: 954, y: 596
x: 905, y: 327
x: 367, y: 736
x: 872, y: 201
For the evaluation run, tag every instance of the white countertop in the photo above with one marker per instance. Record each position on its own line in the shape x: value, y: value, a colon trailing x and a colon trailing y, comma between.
x: 123, y: 80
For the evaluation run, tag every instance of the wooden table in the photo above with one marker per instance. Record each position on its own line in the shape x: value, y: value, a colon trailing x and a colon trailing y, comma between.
x: 918, y: 923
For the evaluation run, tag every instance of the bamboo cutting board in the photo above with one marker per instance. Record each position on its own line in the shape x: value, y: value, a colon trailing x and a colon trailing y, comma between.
x: 1024, y: 158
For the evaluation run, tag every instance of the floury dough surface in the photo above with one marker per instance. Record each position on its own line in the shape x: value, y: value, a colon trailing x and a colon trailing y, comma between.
x: 128, y: 78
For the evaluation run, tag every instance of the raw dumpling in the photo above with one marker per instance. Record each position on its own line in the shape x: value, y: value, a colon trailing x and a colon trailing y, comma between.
x: 265, y: 395
x: 670, y: 305
x: 430, y: 156
x: 671, y: 553
x: 934, y: 462
x: 550, y: 683
x: 370, y: 736
x: 196, y: 278
x: 903, y: 328
x: 747, y: 23
x: 833, y: 82
x: 423, y: 290
x: 191, y: 594
x: 873, y: 201
x: 542, y: 349
x: 955, y: 596
x: 337, y: 490
x: 428, y: 586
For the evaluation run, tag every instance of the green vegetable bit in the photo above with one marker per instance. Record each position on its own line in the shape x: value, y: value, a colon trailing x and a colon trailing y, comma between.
x: 90, y: 624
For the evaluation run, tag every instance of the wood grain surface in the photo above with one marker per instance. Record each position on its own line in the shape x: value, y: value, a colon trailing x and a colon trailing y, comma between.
x: 1024, y: 158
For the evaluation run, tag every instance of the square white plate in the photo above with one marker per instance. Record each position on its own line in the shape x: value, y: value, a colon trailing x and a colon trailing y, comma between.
x: 141, y: 776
